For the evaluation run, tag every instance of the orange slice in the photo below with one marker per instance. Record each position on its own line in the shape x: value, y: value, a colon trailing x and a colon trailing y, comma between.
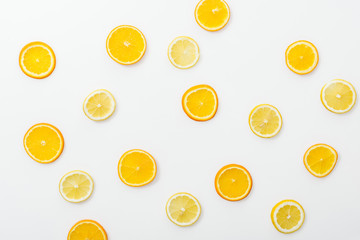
x: 320, y: 160
x: 288, y: 216
x: 87, y: 230
x: 301, y: 57
x: 212, y: 15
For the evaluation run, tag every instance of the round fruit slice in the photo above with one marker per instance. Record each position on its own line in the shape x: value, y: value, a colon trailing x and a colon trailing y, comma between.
x: 301, y: 57
x: 126, y: 44
x: 87, y: 230
x: 212, y: 15
x: 37, y: 60
x: 320, y: 160
x: 265, y: 121
x: 136, y: 168
x: 183, y: 52
x: 287, y: 216
x: 44, y: 143
x: 99, y: 105
x: 183, y: 209
x: 200, y: 102
x: 338, y: 96
x: 76, y: 186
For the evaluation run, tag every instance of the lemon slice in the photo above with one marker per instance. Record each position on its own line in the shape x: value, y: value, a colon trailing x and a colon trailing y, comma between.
x: 200, y: 102
x: 338, y: 96
x: 183, y: 52
x: 37, y: 60
x: 233, y: 182
x: 87, y: 230
x: 301, y: 57
x: 320, y: 160
x: 212, y: 15
x: 76, y: 186
x: 136, y: 168
x: 44, y: 143
x: 287, y: 216
x: 183, y: 209
x: 99, y: 105
x: 126, y: 44
x: 265, y: 121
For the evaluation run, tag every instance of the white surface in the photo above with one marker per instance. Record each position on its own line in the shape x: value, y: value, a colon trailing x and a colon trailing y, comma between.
x: 244, y: 63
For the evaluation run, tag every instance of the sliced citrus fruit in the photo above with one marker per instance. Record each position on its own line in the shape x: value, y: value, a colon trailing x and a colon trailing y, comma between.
x: 287, y: 216
x: 43, y: 142
x: 338, y: 96
x: 301, y: 57
x: 87, y: 230
x: 126, y: 44
x: 212, y: 15
x: 265, y: 121
x: 233, y: 182
x: 99, y: 105
x: 136, y: 168
x: 320, y: 160
x: 183, y: 52
x: 183, y: 209
x: 37, y: 60
x: 200, y: 102
x: 76, y: 186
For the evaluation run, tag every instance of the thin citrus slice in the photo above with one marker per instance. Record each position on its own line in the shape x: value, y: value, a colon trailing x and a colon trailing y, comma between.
x: 287, y: 216
x: 301, y: 57
x: 43, y: 142
x: 183, y: 52
x: 183, y: 209
x: 212, y: 15
x: 233, y: 182
x: 99, y: 105
x: 338, y: 96
x: 200, y: 102
x: 265, y: 121
x: 136, y: 168
x: 320, y: 159
x: 126, y: 44
x: 37, y: 60
x: 76, y: 186
x: 87, y: 230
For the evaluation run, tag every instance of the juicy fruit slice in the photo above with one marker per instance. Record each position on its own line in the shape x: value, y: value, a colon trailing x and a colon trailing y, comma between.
x: 87, y: 230
x: 265, y: 121
x: 76, y: 186
x: 126, y: 44
x: 43, y: 142
x: 136, y: 168
x: 200, y: 102
x: 183, y: 209
x: 301, y: 57
x: 287, y: 216
x: 338, y: 96
x: 212, y: 15
x: 37, y: 60
x: 183, y: 52
x: 320, y: 160
x: 99, y: 105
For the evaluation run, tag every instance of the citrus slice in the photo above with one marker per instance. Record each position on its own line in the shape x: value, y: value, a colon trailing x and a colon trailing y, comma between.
x: 99, y: 105
x: 320, y: 159
x: 301, y: 57
x: 338, y: 96
x: 136, y: 168
x: 233, y: 182
x: 126, y: 44
x: 183, y: 209
x: 37, y: 60
x: 76, y: 186
x: 44, y: 143
x: 212, y: 15
x: 200, y: 102
x: 265, y: 121
x: 287, y: 216
x: 183, y: 52
x: 87, y: 230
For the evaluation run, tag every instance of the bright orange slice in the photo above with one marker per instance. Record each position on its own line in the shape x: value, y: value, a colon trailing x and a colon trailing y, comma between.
x: 320, y: 160
x: 212, y: 15
x: 301, y: 57
x: 87, y: 230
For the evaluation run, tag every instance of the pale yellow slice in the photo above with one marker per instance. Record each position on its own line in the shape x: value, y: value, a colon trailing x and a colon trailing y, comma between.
x: 183, y: 52
x: 287, y: 216
x: 99, y: 105
x: 76, y: 186
x: 265, y: 121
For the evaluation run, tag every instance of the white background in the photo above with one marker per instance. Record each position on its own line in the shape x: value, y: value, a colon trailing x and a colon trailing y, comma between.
x: 245, y: 64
